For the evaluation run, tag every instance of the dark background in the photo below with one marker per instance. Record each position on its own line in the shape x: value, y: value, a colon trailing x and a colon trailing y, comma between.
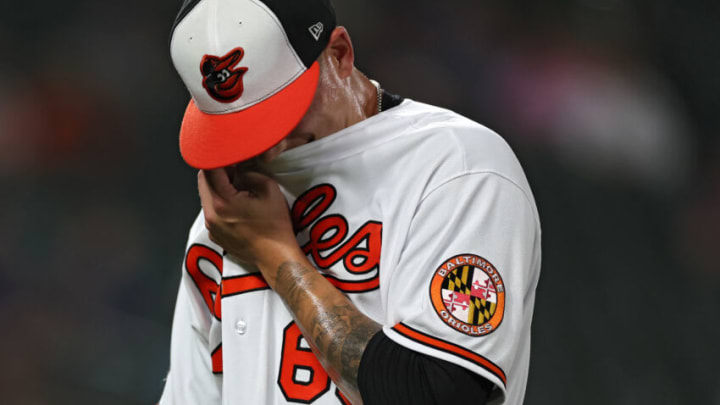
x: 611, y: 105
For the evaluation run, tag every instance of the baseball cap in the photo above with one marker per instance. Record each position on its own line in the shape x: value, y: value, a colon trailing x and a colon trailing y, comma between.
x: 251, y: 69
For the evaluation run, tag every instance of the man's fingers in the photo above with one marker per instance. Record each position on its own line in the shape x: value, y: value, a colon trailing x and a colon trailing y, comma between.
x: 211, y: 204
x: 206, y: 195
x: 256, y: 183
x: 219, y: 183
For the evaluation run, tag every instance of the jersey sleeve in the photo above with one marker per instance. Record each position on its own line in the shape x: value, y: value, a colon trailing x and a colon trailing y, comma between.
x: 391, y: 374
x: 190, y: 380
x: 463, y: 288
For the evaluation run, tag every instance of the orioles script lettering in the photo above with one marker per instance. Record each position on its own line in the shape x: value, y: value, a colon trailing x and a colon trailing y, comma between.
x: 328, y: 241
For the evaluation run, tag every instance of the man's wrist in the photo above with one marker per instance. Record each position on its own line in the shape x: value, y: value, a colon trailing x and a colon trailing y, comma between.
x: 275, y: 256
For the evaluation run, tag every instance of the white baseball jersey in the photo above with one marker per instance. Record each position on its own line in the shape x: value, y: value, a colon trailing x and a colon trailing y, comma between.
x: 422, y: 217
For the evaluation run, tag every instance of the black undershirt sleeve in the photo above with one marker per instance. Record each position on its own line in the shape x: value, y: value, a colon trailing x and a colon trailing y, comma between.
x: 391, y: 374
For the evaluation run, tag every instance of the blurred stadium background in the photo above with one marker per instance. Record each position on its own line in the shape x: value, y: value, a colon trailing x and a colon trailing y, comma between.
x: 611, y: 105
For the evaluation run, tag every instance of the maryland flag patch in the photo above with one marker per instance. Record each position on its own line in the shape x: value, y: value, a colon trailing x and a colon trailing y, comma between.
x: 468, y: 294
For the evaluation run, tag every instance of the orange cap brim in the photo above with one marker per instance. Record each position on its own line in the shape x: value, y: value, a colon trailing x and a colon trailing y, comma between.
x: 211, y: 141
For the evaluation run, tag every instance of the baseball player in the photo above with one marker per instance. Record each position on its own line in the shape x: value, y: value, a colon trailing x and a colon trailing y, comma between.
x: 353, y: 246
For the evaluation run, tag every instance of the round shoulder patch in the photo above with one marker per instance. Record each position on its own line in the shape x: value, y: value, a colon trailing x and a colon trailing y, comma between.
x: 468, y: 294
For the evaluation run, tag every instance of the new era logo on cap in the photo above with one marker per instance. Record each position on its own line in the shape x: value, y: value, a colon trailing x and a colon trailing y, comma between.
x: 316, y: 30
x: 251, y: 69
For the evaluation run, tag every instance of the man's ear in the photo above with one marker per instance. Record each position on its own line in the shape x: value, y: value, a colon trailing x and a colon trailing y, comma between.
x: 340, y: 52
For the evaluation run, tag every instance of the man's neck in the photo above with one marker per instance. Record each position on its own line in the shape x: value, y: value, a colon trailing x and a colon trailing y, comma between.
x: 363, y: 98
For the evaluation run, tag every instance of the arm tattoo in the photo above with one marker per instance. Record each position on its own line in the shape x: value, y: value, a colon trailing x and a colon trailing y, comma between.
x: 337, y: 328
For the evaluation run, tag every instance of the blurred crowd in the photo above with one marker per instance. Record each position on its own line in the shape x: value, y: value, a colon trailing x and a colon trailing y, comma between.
x: 611, y: 105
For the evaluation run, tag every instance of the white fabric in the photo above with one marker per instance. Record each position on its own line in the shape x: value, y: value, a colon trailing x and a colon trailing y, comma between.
x: 215, y: 27
x: 441, y: 185
x: 191, y: 380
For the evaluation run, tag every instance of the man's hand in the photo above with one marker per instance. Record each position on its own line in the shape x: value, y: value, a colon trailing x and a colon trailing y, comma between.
x: 247, y: 214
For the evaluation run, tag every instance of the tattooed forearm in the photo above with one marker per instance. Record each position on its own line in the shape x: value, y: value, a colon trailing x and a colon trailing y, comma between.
x: 293, y: 279
x: 354, y: 345
x: 330, y: 321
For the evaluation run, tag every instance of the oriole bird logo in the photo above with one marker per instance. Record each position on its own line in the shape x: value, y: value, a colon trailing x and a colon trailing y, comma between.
x: 222, y: 80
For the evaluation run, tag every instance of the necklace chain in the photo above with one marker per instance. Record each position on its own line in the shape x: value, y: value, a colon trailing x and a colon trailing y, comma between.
x: 379, y: 95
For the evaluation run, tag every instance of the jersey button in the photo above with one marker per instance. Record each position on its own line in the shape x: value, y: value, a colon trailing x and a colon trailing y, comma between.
x: 241, y: 327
